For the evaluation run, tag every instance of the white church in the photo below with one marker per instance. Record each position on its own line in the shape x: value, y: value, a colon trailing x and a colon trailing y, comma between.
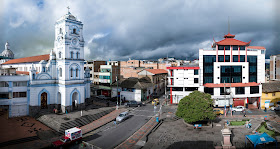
x: 56, y: 80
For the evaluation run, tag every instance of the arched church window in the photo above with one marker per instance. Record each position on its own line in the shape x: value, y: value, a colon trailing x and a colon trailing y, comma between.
x: 71, y: 72
x: 74, y: 31
x: 77, y: 55
x: 60, y: 72
x: 59, y: 54
x: 77, y: 72
x: 44, y: 69
x: 60, y: 31
x: 71, y: 54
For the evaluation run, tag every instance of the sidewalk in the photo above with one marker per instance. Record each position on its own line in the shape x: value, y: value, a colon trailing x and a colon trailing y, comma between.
x: 85, y: 129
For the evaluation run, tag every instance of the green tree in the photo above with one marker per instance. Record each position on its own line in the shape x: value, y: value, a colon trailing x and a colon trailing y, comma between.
x: 196, y: 107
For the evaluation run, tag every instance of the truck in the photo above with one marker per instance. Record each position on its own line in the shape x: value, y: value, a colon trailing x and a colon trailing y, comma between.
x: 71, y: 136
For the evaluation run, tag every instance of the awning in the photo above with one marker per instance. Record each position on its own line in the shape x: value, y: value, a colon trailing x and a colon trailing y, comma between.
x: 260, y: 139
x: 212, y: 85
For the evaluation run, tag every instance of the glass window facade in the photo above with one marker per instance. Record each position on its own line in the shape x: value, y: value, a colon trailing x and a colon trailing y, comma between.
x: 195, y: 71
x: 231, y: 74
x: 208, y: 62
x: 239, y: 90
x: 191, y: 88
x: 235, y: 58
x: 223, y: 47
x: 221, y: 58
x: 254, y: 89
x: 252, y: 68
x: 234, y: 47
x: 209, y: 90
x: 242, y: 47
x: 222, y: 91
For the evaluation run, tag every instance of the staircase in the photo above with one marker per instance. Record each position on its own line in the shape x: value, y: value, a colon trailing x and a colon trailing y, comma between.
x: 78, y: 122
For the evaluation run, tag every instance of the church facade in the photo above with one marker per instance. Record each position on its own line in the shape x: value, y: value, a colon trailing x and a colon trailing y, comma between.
x: 56, y: 80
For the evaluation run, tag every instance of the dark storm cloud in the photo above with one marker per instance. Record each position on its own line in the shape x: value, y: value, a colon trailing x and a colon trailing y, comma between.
x: 146, y: 29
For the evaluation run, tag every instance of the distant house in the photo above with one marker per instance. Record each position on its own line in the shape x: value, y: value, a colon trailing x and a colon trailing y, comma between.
x: 133, y: 89
x: 270, y: 94
x: 157, y: 77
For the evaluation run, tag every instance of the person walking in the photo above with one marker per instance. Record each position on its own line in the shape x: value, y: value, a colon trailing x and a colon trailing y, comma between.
x: 244, y: 113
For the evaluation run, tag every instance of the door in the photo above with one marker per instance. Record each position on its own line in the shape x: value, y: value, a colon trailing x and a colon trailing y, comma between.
x: 44, y: 98
x: 18, y: 110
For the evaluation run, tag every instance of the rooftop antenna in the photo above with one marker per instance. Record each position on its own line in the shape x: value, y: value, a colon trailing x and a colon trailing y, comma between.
x: 68, y: 9
x: 228, y: 25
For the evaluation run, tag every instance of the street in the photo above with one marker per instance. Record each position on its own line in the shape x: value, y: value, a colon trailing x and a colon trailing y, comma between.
x: 111, y: 134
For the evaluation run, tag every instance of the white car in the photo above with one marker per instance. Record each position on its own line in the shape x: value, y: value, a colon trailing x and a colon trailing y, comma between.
x: 123, y: 116
x: 238, y: 108
x: 275, y: 108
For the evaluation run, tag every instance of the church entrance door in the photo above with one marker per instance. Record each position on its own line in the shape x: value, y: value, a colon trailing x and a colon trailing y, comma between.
x: 44, y: 103
x: 75, y: 101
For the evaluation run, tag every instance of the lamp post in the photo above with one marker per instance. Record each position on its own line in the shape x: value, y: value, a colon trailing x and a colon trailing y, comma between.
x: 117, y: 107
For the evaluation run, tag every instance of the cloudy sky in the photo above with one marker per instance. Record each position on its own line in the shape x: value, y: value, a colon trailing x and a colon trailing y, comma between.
x: 140, y: 29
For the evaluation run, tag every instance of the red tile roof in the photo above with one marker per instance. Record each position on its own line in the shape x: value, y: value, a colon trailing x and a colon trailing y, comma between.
x: 24, y: 72
x: 212, y: 85
x: 29, y: 59
x: 231, y: 41
x: 182, y: 67
x: 255, y: 47
x: 229, y: 36
x: 156, y: 71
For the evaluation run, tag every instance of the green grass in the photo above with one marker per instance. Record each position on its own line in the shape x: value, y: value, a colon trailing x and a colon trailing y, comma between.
x: 237, y: 123
x: 263, y: 129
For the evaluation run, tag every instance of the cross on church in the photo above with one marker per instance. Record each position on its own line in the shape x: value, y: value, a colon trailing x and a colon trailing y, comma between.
x: 68, y: 8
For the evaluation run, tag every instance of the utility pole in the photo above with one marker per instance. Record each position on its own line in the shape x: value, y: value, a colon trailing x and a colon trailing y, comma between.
x: 117, y: 93
x: 165, y: 90
x: 225, y: 98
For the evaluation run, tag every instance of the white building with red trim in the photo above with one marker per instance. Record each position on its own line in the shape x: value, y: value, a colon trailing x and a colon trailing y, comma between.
x: 232, y: 64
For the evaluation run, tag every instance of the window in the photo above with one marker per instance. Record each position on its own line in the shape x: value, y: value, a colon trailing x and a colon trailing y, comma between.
x: 242, y: 58
x: 191, y: 88
x: 221, y: 58
x: 220, y: 47
x: 44, y: 69
x: 74, y: 31
x: 209, y: 90
x: 77, y: 55
x: 71, y: 54
x: 242, y: 47
x: 19, y: 94
x: 71, y: 72
x: 273, y: 94
x: 177, y: 89
x: 235, y: 47
x: 196, y: 72
x: 59, y: 55
x: 60, y: 72
x: 4, y: 95
x: 262, y: 52
x: 4, y: 84
x: 19, y: 83
x: 195, y: 80
x: 239, y: 90
x: 60, y: 31
x: 254, y: 89
x: 231, y: 74
x: 77, y: 72
x: 227, y: 47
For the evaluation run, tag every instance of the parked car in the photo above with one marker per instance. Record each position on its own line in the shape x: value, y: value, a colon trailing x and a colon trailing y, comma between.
x: 238, y: 108
x: 218, y: 111
x: 123, y: 116
x: 101, y: 97
x: 133, y: 104
x: 155, y: 101
x: 275, y: 108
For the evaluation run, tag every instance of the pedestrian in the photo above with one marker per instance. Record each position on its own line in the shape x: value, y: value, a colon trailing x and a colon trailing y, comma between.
x: 244, y: 113
x: 53, y: 110
x: 264, y: 109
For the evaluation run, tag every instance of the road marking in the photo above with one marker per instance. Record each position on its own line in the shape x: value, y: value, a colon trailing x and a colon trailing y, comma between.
x: 141, y: 115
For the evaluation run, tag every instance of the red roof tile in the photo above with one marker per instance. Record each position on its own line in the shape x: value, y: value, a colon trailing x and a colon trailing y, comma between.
x: 255, y: 47
x: 229, y: 36
x: 24, y: 72
x: 29, y: 59
x: 231, y: 41
x: 156, y: 71
x: 182, y: 67
x: 212, y: 85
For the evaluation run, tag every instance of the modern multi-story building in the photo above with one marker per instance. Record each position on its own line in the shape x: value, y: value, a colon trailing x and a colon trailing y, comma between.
x: 275, y: 67
x: 182, y: 81
x: 232, y: 72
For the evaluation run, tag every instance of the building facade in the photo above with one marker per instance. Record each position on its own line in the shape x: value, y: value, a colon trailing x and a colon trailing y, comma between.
x: 57, y: 80
x: 232, y: 72
x: 275, y: 67
x: 270, y: 94
x: 7, y: 54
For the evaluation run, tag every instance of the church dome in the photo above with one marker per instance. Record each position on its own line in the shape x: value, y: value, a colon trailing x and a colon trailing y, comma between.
x: 7, y: 52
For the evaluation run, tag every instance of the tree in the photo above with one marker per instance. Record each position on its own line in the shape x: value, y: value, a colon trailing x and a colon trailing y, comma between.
x: 197, y: 106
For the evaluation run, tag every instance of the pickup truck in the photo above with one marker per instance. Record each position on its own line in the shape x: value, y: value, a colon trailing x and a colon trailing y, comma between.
x: 72, y: 135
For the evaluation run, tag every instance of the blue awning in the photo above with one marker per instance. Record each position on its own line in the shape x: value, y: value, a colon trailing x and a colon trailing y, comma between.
x: 260, y: 139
